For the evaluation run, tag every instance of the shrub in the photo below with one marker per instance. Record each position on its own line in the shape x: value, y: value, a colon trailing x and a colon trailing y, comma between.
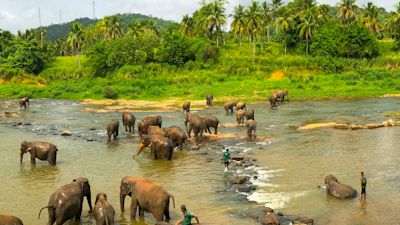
x: 110, y: 93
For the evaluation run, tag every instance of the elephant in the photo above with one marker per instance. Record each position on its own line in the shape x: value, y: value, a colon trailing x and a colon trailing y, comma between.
x: 10, y: 220
x: 251, y: 128
x: 146, y: 195
x: 24, y: 102
x: 337, y: 189
x: 229, y: 107
x: 249, y: 114
x: 186, y: 107
x: 177, y: 135
x: 240, y: 105
x: 211, y: 121
x: 39, y: 149
x: 128, y: 121
x: 103, y: 211
x: 240, y: 116
x: 273, y: 100
x: 196, y: 123
x: 66, y: 203
x: 161, y: 147
x: 144, y: 124
x: 155, y: 130
x: 112, y: 129
x: 209, y: 99
x: 281, y: 95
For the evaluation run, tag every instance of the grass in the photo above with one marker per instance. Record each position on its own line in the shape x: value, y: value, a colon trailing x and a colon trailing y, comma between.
x: 235, y: 76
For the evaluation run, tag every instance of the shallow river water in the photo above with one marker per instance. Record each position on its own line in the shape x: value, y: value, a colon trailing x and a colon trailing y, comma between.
x: 292, y: 163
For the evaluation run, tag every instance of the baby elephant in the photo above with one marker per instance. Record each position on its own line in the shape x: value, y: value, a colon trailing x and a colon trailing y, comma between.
x: 39, y: 149
x: 112, y: 129
x: 24, y: 102
x: 249, y: 114
x: 10, y: 220
x: 240, y: 105
x: 240, y: 116
x: 209, y: 99
x: 229, y: 107
x: 251, y: 128
x: 103, y: 211
x: 186, y: 107
x: 128, y: 121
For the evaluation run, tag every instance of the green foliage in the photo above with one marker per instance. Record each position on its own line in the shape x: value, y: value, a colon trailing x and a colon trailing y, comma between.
x: 176, y: 50
x: 27, y: 55
x: 109, y: 92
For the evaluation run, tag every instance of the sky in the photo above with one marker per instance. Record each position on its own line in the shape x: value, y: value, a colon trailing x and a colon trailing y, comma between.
x: 23, y: 14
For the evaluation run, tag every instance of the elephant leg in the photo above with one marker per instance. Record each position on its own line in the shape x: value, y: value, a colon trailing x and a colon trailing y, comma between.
x: 159, y: 214
x: 126, y: 128
x: 141, y: 212
x: 52, y: 216
x: 153, y: 152
x: 209, y: 131
x: 134, y: 205
x: 216, y: 129
x: 33, y: 158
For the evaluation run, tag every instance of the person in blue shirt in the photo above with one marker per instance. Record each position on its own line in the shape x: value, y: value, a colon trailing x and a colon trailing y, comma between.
x: 187, y: 217
x: 363, y: 186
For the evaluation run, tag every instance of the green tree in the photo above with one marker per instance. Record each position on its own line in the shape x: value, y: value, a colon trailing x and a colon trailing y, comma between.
x: 347, y: 11
x: 267, y: 18
x: 215, y: 18
x: 324, y: 13
x: 284, y: 23
x: 392, y: 25
x: 238, y: 24
x: 371, y: 19
x: 113, y: 27
x: 307, y: 28
x: 253, y: 22
x: 187, y: 26
x: 27, y: 55
x: 135, y: 29
x: 176, y: 50
x: 75, y: 40
x: 6, y: 39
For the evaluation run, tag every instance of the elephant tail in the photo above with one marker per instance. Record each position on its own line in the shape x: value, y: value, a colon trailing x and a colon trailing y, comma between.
x: 173, y: 199
x: 46, y: 207
x: 222, y: 125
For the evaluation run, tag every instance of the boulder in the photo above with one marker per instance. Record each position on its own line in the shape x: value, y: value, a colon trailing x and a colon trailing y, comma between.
x: 66, y: 133
x: 239, y: 180
x: 388, y: 123
x: 237, y: 157
x: 356, y: 127
x: 340, y: 126
x: 269, y: 219
x: 373, y: 125
x: 245, y: 188
x: 305, y: 220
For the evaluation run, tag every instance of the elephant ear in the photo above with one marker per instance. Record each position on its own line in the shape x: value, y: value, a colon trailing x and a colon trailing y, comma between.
x: 29, y: 149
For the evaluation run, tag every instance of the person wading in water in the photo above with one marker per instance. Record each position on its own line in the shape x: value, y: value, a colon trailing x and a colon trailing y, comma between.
x: 227, y: 157
x: 187, y: 217
x: 363, y: 186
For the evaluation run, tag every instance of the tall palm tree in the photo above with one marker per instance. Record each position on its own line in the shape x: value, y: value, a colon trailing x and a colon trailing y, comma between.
x: 392, y: 24
x: 267, y: 14
x: 215, y: 18
x: 307, y: 28
x: 75, y: 39
x: 347, y: 11
x: 135, y: 29
x: 276, y: 4
x: 187, y: 26
x: 283, y: 24
x: 253, y: 22
x: 238, y: 24
x: 324, y: 13
x: 113, y: 27
x: 370, y: 19
x: 149, y: 25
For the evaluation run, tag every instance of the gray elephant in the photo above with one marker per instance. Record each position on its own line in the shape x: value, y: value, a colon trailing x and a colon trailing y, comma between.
x: 103, y: 211
x: 155, y: 130
x: 337, y: 189
x: 211, y: 121
x: 251, y: 128
x: 249, y: 114
x: 66, y: 203
x: 10, y: 220
x: 240, y: 116
x: 112, y: 129
x: 161, y: 147
x: 39, y: 149
x: 24, y: 102
x: 146, y: 195
x: 144, y: 124
x: 186, y: 107
x: 281, y: 94
x: 228, y: 106
x: 128, y: 121
x: 209, y: 100
x: 240, y: 105
x: 177, y: 135
x: 273, y: 100
x: 196, y: 123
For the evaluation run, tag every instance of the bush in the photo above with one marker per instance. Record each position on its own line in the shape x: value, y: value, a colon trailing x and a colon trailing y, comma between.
x: 110, y: 93
x: 27, y: 55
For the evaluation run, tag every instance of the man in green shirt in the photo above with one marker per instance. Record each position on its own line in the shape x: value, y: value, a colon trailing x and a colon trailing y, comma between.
x: 227, y: 157
x: 187, y: 217
x: 363, y: 185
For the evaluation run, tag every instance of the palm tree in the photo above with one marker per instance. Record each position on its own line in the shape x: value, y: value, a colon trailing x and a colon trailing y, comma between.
x: 253, y: 22
x: 215, y: 18
x: 324, y: 13
x: 392, y: 24
x: 187, y: 26
x: 113, y: 27
x: 371, y: 19
x: 135, y: 29
x: 150, y: 25
x: 267, y: 12
x: 283, y: 24
x: 238, y: 24
x: 347, y: 11
x: 276, y: 4
x: 307, y: 28
x: 75, y: 39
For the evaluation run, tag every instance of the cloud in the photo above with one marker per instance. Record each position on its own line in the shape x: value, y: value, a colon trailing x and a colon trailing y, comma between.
x: 7, y: 17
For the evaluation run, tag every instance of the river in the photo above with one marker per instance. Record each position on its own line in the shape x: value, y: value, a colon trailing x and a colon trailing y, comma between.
x: 292, y: 163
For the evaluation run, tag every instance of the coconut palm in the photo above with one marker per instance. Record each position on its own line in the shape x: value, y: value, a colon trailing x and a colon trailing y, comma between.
x: 187, y: 26
x: 370, y: 19
x: 324, y: 13
x: 238, y: 24
x: 307, y: 28
x: 347, y: 11
x: 215, y: 18
x: 267, y: 17
x: 253, y: 22
x: 276, y: 4
x: 75, y: 39
x: 392, y: 24
x: 135, y: 29
x: 113, y: 27
x: 283, y: 24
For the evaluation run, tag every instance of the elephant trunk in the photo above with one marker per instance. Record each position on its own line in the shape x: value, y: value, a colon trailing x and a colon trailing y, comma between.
x: 89, y: 200
x: 122, y: 202
x: 21, y: 156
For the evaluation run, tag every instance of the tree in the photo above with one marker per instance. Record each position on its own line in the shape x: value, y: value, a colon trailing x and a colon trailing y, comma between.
x: 187, y: 26
x: 370, y: 19
x: 215, y: 18
x: 6, y: 39
x: 135, y: 28
x: 176, y: 50
x: 238, y: 24
x: 75, y: 39
x: 284, y: 23
x: 392, y: 25
x: 253, y: 22
x: 267, y: 14
x: 27, y: 55
x: 347, y: 11
x: 113, y: 27
x: 324, y: 13
x: 307, y: 28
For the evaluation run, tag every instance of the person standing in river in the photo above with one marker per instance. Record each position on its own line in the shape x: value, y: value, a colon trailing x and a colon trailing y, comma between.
x: 363, y: 186
x: 187, y: 217
x: 227, y: 157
